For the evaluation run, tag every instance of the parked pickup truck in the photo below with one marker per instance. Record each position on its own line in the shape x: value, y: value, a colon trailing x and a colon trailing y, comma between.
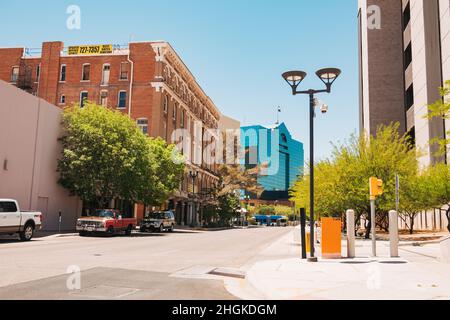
x: 106, y: 221
x: 12, y: 220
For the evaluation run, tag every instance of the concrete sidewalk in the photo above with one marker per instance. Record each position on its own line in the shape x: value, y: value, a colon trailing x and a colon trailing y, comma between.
x: 418, y: 274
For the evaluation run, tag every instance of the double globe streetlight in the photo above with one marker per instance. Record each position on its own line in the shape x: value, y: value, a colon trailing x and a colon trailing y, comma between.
x: 294, y: 78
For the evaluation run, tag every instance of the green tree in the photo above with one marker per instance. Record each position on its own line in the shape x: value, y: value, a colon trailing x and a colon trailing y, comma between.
x: 417, y: 194
x: 228, y: 208
x: 106, y: 156
x: 441, y: 109
x: 267, y: 210
x: 234, y: 178
x: 439, y: 177
x: 342, y: 182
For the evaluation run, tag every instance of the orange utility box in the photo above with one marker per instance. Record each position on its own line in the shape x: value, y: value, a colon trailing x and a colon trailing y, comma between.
x: 331, y: 238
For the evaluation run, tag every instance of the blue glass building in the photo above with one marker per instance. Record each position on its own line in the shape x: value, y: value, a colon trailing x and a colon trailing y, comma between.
x: 280, y: 157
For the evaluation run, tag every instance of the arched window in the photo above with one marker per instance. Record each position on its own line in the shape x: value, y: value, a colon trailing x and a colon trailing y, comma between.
x: 15, y: 74
x: 174, y: 112
x: 105, y: 74
x: 166, y: 104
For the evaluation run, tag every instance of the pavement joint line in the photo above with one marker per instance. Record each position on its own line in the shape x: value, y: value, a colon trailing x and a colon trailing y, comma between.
x: 420, y: 254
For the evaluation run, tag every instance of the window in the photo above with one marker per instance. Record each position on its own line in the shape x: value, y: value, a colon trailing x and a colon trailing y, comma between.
x: 104, y: 98
x: 83, y: 98
x: 411, y: 135
x: 62, y: 76
x: 174, y: 112
x: 124, y: 71
x: 406, y: 16
x: 143, y: 125
x: 122, y: 104
x: 15, y: 74
x: 62, y: 99
x: 8, y: 207
x: 105, y: 74
x: 182, y: 118
x: 166, y: 104
x: 408, y: 56
x: 38, y: 73
x: 409, y: 97
x: 86, y: 76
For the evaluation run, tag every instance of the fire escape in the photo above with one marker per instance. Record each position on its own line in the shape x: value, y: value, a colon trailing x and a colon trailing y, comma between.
x: 25, y: 81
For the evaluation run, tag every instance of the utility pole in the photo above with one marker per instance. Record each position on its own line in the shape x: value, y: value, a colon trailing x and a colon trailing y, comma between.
x: 376, y: 189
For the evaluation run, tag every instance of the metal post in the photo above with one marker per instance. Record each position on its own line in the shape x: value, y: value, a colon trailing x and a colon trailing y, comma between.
x: 393, y: 233
x: 373, y: 225
x: 397, y: 192
x: 351, y: 253
x: 311, y: 175
x: 303, y: 231
x: 60, y: 221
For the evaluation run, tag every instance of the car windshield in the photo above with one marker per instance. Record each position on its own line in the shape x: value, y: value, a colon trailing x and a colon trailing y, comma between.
x: 156, y: 215
x: 103, y: 214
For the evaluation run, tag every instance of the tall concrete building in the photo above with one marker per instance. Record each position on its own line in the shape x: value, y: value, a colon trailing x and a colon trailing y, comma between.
x: 404, y: 58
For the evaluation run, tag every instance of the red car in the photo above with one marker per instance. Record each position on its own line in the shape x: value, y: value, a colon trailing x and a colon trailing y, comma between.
x: 106, y: 221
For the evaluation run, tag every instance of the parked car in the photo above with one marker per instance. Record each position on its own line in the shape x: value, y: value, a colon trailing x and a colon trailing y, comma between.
x: 105, y: 221
x: 13, y: 221
x: 159, y: 221
x: 282, y: 222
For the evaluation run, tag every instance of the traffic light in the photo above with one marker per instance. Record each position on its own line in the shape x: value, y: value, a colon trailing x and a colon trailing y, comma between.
x: 376, y: 187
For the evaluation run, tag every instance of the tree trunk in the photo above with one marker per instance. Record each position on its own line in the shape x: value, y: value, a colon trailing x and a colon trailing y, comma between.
x: 368, y: 228
x: 411, y: 227
x: 448, y: 218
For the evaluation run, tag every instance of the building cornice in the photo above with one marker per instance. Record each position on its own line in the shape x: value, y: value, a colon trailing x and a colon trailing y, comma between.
x: 166, y: 54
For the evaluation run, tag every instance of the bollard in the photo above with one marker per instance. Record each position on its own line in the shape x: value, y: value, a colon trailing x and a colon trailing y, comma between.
x: 303, y: 232
x: 393, y: 233
x: 351, y: 253
x: 59, y: 222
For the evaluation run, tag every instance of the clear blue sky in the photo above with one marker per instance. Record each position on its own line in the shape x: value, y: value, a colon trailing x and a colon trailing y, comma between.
x: 236, y: 49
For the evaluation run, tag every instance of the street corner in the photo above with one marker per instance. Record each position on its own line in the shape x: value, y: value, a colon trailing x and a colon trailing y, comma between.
x: 348, y: 279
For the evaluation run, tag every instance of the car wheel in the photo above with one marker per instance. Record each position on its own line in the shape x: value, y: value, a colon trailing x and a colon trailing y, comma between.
x: 143, y: 229
x: 129, y: 230
x: 110, y: 231
x: 27, y: 233
x: 172, y: 228
x: 161, y: 228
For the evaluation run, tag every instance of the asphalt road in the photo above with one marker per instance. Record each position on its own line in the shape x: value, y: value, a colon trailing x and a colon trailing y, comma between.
x: 174, y: 266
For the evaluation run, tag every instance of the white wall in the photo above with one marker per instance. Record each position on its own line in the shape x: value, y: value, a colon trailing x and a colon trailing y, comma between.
x: 29, y: 148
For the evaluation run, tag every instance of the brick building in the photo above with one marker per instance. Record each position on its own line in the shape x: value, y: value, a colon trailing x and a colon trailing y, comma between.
x: 148, y: 81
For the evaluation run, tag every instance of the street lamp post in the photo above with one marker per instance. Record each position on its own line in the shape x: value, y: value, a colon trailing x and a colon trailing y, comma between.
x: 247, y: 202
x: 294, y: 78
x: 194, y: 176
